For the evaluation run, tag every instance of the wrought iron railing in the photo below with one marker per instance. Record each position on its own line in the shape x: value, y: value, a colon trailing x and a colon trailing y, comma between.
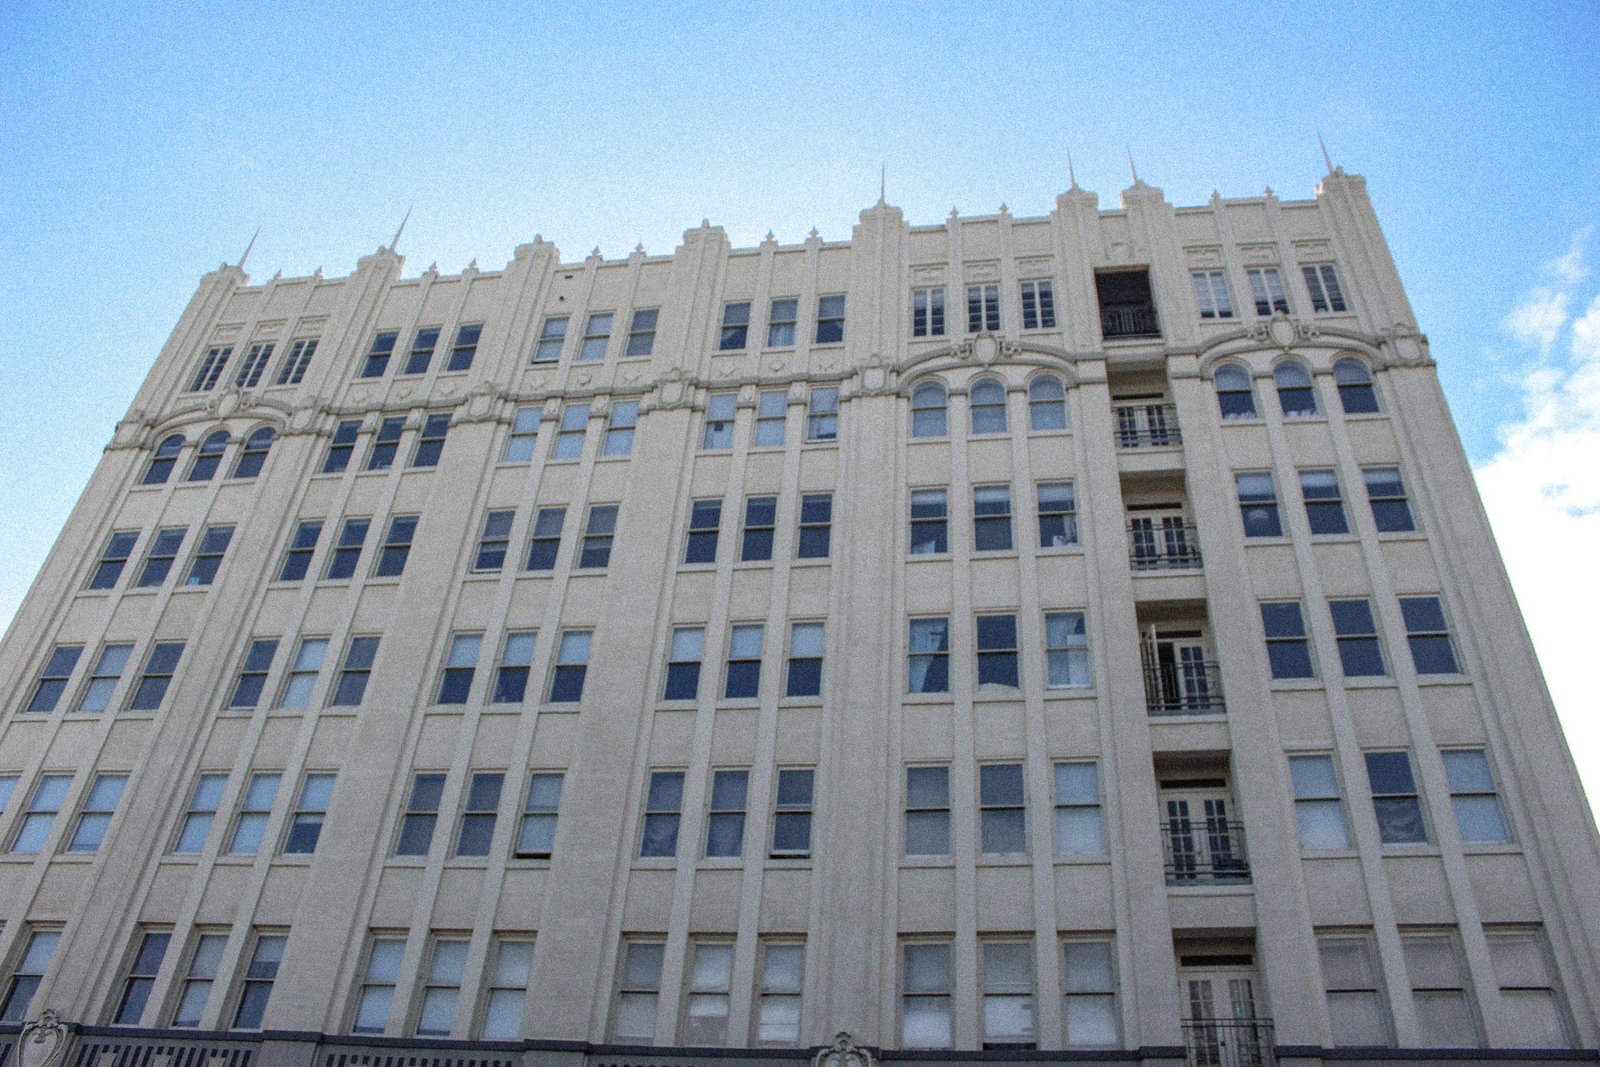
x: 1129, y: 320
x: 1153, y: 425
x: 1229, y: 1042
x: 1155, y: 545
x: 1204, y: 851
x: 1183, y: 688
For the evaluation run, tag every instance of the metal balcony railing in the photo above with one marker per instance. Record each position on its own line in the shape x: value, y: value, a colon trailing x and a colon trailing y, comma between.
x: 1229, y: 1042
x: 1187, y: 688
x: 1129, y: 320
x: 1204, y: 852
x: 1152, y: 425
x: 1163, y: 545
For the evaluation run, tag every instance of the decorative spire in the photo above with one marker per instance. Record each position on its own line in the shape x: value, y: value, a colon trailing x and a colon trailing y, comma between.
x: 248, y: 247
x: 883, y: 179
x: 395, y: 243
x: 1072, y: 174
x: 1325, y: 159
x: 1131, y: 168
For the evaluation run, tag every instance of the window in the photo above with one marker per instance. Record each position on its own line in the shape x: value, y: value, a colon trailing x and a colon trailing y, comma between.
x: 386, y: 444
x: 158, y: 559
x: 305, y: 822
x: 572, y: 663
x: 642, y: 333
x: 1002, y: 822
x: 516, y: 657
x: 205, y: 379
x: 352, y: 683
x: 930, y: 511
x: 1387, y: 495
x: 1439, y: 991
x: 1324, y: 507
x: 430, y: 446
x: 162, y: 462
x: 926, y: 985
x: 494, y: 540
x: 1428, y: 636
x: 701, y: 544
x: 1038, y: 305
x: 508, y: 988
x: 830, y: 320
x: 1356, y: 392
x: 1528, y: 989
x: 574, y: 425
x: 28, y: 976
x: 772, y: 410
x: 927, y: 312
x: 780, y: 323
x: 791, y: 817
x: 253, y: 456
x: 342, y: 447
x: 94, y: 818
x: 683, y: 663
x: 8, y: 786
x: 929, y: 417
x: 1322, y: 282
x: 396, y: 547
x: 997, y: 650
x: 552, y: 335
x: 459, y: 666
x: 422, y: 349
x: 663, y: 806
x: 1394, y: 799
x: 720, y: 410
x: 743, y: 676
x: 53, y: 677
x: 259, y: 975
x: 254, y: 811
x: 1058, y: 520
x: 822, y: 415
x: 524, y: 434
x: 1089, y: 993
x: 114, y: 557
x: 1266, y: 288
x: 735, y: 326
x: 760, y: 520
x: 1211, y: 294
x: 303, y: 672
x: 104, y: 677
x: 1007, y: 994
x: 198, y: 979
x: 477, y: 821
x: 983, y: 308
x: 1317, y: 806
x: 536, y: 836
x: 1295, y: 394
x: 619, y: 428
x: 142, y: 974
x: 1066, y: 643
x: 927, y: 811
x: 1288, y: 651
x: 546, y: 538
x: 255, y: 361
x: 816, y: 524
x: 929, y: 656
x: 376, y: 996
x: 725, y: 821
x: 598, y: 534
x: 596, y: 335
x: 421, y: 815
x: 988, y: 408
x: 377, y: 360
x: 253, y: 673
x: 466, y: 347
x: 40, y: 815
x: 778, y: 993
x: 1258, y: 504
x: 208, y: 557
x: 1472, y: 795
x: 1356, y: 1012
x: 705, y: 1016
x: 1235, y: 396
x: 158, y: 670
x: 991, y: 518
x: 804, y: 677
x: 1047, y: 404
x: 1080, y: 829
x: 295, y: 364
x: 209, y: 457
x: 201, y: 813
x: 1360, y: 655
x: 638, y: 990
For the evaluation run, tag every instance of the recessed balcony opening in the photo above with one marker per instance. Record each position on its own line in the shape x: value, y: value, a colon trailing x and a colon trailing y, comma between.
x: 1126, y: 308
x: 1201, y: 836
x: 1226, y: 1022
x: 1181, y: 676
x: 1161, y: 537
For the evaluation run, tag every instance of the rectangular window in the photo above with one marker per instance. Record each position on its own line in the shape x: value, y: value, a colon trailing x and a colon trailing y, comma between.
x: 596, y: 335
x: 735, y: 326
x: 1002, y: 820
x: 115, y: 557
x: 297, y: 560
x: 725, y: 821
x: 983, y: 308
x: 1007, y: 994
x: 94, y: 817
x: 141, y: 977
x: 378, y: 354
x: 1394, y: 799
x: 1038, y: 306
x: 546, y: 538
x: 208, y: 556
x: 465, y: 348
x: 516, y: 658
x: 791, y: 817
x: 663, y: 808
x: 1258, y: 504
x: 28, y: 976
x: 1528, y: 988
x: 255, y: 361
x: 1360, y: 655
x: 342, y: 446
x: 927, y: 811
x: 1428, y: 636
x: 574, y: 426
x: 1066, y: 647
x: 930, y: 522
x: 1211, y: 294
x: 256, y: 989
x: 1472, y: 795
x: 778, y: 993
x: 926, y: 986
x: 198, y: 979
x: 552, y: 335
x: 929, y: 656
x: 210, y: 370
x: 305, y: 822
x: 1439, y: 990
x: 1089, y: 993
x: 710, y: 972
x: 295, y: 364
x: 352, y: 683
x: 477, y: 821
x: 375, y: 999
x: 302, y: 678
x: 396, y: 547
x: 53, y: 677
x: 743, y: 676
x: 822, y: 414
x: 760, y: 522
x: 830, y: 320
x: 508, y: 988
x: 638, y: 992
x: 642, y: 333
x: 997, y: 650
x: 254, y: 811
x: 816, y: 526
x: 455, y: 684
x: 159, y: 667
x: 1058, y: 518
x: 1288, y: 650
x: 1266, y: 288
x: 1324, y: 507
x: 494, y: 540
x: 720, y: 411
x: 8, y: 786
x: 33, y: 829
x: 386, y: 444
x: 1317, y: 806
x: 683, y: 663
x: 422, y: 348
x: 430, y: 446
x: 1080, y: 828
x: 780, y: 323
x: 991, y: 518
x: 158, y: 560
x: 201, y: 813
x: 421, y: 815
x: 1356, y: 1012
x: 104, y: 677
x: 572, y: 663
x: 598, y: 533
x: 1322, y: 282
x: 804, y: 675
x: 347, y: 550
x: 700, y: 546
x: 620, y: 427
x: 927, y: 312
x: 524, y: 435
x: 536, y: 836
x: 772, y: 411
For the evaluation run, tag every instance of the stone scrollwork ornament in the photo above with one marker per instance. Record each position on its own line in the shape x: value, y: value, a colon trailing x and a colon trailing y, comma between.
x: 43, y: 1041
x: 844, y: 1053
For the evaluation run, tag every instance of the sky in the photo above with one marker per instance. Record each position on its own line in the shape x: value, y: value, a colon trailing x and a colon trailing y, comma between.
x: 145, y: 144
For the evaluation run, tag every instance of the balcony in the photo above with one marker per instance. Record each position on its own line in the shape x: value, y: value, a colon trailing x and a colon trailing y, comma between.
x: 1148, y: 425
x: 1229, y: 1042
x: 1205, y: 851
x: 1185, y: 687
x: 1128, y: 320
x: 1127, y: 307
x: 1164, y: 544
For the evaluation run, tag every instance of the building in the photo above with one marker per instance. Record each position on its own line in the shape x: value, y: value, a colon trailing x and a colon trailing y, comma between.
x: 1076, y: 634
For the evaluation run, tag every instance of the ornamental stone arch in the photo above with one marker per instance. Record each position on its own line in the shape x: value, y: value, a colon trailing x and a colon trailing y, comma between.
x: 985, y: 352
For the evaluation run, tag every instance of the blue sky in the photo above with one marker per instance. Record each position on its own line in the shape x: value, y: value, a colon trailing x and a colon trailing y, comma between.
x: 146, y: 143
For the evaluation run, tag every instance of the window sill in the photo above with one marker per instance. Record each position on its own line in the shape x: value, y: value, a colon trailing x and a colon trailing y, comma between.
x: 811, y: 561
x: 1335, y: 539
x: 1443, y: 679
x: 569, y: 707
x: 720, y: 863
x: 1365, y: 416
x: 1315, y: 416
x: 1295, y: 685
x: 413, y: 863
x: 1061, y: 550
x: 1242, y: 420
x: 1076, y: 692
x: 482, y: 576
x: 467, y: 863
x: 1497, y: 848
x: 995, y: 553
x: 556, y: 461
x: 623, y: 458
x: 699, y: 566
x: 1402, y: 535
x: 913, y: 557
x: 655, y: 863
x: 388, y: 579
x: 1329, y: 853
x: 1085, y: 860
x: 928, y: 698
x: 1400, y: 848
x: 1373, y: 681
x: 1242, y: 889
x: 1263, y: 539
x: 832, y: 442
x: 926, y: 862
x: 800, y: 701
x: 789, y: 863
x: 1004, y: 859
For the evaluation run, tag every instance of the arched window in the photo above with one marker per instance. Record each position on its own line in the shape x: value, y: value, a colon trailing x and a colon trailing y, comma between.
x: 1294, y: 390
x: 988, y: 407
x: 1234, y: 394
x: 928, y: 414
x: 209, y: 457
x: 162, y: 462
x: 1047, y: 404
x: 1355, y: 387
x: 254, y: 453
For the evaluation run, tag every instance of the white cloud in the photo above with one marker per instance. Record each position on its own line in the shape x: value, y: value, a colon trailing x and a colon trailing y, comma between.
x: 1538, y: 319
x: 1570, y: 266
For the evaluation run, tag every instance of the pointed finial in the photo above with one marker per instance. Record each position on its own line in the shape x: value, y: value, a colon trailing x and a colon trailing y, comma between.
x: 395, y: 243
x: 433, y: 268
x: 639, y: 248
x: 1072, y: 174
x: 248, y: 247
x: 705, y: 224
x: 1003, y: 209
x: 883, y: 178
x: 1325, y: 158
x: 596, y: 253
x: 769, y: 238
x: 813, y: 234
x: 1131, y: 168
x: 474, y: 264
